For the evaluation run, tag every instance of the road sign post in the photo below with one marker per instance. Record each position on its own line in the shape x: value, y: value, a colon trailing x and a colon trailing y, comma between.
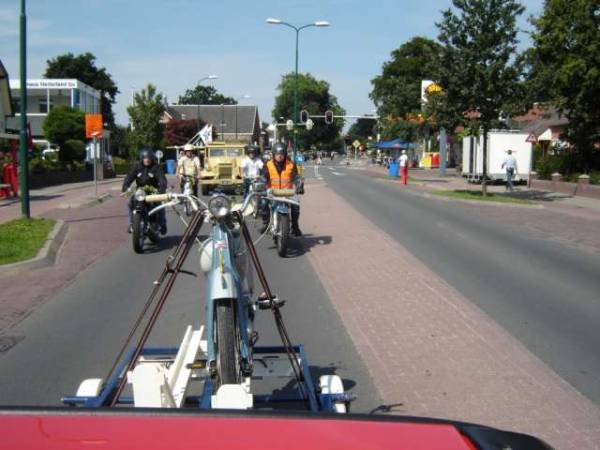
x: 93, y: 129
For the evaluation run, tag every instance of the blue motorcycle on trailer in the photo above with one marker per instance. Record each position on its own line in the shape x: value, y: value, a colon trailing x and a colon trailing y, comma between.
x: 220, y: 369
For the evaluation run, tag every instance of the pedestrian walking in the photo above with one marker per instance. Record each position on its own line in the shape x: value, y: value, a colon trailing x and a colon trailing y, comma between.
x: 510, y: 165
x: 403, y: 167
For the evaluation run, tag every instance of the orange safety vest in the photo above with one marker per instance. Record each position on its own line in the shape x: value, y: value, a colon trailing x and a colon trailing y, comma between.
x: 283, y: 180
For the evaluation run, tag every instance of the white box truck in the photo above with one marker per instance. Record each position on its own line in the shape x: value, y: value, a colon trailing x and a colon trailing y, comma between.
x: 499, y: 142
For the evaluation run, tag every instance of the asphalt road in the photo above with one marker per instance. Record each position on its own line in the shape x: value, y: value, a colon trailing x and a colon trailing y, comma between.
x: 77, y: 334
x: 545, y: 293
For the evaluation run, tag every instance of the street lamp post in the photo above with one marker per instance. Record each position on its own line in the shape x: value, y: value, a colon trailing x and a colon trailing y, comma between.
x: 245, y: 96
x: 210, y: 77
x: 321, y: 23
x: 24, y: 166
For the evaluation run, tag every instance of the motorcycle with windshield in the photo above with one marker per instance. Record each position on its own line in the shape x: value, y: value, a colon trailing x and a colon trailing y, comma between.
x: 279, y: 204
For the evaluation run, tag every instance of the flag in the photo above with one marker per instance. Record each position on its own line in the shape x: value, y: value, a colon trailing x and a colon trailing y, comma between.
x: 206, y: 134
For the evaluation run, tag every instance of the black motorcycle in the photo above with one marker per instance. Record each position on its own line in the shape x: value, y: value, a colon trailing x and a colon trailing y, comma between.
x: 144, y: 225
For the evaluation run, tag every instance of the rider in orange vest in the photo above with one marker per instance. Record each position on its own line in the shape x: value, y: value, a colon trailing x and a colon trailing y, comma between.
x: 281, y: 173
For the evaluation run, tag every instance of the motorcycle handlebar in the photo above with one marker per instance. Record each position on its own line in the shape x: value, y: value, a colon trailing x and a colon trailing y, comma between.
x: 157, y: 198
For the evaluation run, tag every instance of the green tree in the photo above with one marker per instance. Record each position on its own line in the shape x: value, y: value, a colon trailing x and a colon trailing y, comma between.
x: 205, y: 95
x: 397, y: 91
x: 83, y: 67
x: 564, y: 69
x: 362, y: 129
x: 313, y: 96
x: 479, y: 72
x: 119, y: 140
x: 63, y: 124
x: 145, y: 114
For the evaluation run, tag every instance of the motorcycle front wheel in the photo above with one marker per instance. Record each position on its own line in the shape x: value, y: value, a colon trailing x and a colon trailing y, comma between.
x: 138, y: 235
x: 227, y: 346
x: 283, y: 234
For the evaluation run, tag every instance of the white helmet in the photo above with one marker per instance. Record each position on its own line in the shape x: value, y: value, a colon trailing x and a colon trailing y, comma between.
x: 188, y: 148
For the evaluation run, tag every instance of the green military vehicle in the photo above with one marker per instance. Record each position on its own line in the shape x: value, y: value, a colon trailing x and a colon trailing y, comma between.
x: 222, y: 162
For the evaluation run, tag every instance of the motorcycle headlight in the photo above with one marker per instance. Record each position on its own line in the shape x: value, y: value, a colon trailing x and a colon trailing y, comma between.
x: 219, y: 206
x: 140, y: 195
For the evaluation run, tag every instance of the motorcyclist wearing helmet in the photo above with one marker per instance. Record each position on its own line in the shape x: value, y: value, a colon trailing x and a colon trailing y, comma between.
x: 251, y: 168
x: 189, y: 166
x: 147, y: 173
x: 281, y: 173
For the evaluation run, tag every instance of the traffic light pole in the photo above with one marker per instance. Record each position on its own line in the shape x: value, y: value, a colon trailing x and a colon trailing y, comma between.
x: 23, y: 163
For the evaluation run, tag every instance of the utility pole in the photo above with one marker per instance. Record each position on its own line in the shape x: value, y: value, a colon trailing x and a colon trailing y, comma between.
x: 23, y: 156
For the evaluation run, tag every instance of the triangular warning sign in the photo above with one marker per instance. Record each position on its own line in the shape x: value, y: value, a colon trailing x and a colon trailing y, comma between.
x: 532, y: 138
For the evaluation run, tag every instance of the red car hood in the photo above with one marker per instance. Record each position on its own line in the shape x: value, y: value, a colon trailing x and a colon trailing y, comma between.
x: 153, y: 430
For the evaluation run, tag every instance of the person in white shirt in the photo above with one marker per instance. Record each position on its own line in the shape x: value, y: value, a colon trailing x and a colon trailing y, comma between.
x: 510, y: 165
x: 403, y: 167
x: 251, y: 168
x: 188, y: 166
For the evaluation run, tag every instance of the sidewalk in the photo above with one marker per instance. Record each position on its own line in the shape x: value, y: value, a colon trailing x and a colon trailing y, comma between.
x: 430, y: 351
x: 63, y: 196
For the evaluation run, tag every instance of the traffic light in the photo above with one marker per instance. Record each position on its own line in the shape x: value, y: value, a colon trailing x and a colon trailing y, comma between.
x: 304, y: 116
x: 328, y: 117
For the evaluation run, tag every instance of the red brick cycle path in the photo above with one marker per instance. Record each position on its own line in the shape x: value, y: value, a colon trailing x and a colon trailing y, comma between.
x: 430, y: 351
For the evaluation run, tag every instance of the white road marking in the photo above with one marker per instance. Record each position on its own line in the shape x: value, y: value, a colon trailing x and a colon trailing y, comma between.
x: 338, y: 174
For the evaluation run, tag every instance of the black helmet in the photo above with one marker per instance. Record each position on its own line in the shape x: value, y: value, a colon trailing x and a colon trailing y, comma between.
x: 279, y: 148
x: 253, y: 149
x: 147, y: 153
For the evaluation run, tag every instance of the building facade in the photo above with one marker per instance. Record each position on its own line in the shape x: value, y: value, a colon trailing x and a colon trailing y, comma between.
x: 6, y: 104
x: 45, y: 94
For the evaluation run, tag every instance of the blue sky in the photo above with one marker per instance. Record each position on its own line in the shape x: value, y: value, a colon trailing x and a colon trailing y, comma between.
x: 173, y: 43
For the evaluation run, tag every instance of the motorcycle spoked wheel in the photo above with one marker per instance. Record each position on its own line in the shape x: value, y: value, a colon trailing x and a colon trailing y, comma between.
x: 283, y: 234
x: 226, y: 334
x: 138, y: 235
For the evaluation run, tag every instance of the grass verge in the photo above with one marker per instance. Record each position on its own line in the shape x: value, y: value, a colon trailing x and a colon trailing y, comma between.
x: 463, y: 194
x: 22, y: 239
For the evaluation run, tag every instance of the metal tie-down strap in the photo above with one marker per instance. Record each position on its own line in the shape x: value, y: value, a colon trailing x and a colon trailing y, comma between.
x: 172, y: 269
x: 285, y: 338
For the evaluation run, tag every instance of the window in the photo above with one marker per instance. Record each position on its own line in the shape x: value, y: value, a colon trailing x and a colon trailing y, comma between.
x: 44, y: 105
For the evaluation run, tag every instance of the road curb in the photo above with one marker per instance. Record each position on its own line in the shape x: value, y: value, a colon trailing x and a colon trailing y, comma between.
x: 86, y: 202
x: 472, y: 202
x: 478, y: 202
x: 47, y: 254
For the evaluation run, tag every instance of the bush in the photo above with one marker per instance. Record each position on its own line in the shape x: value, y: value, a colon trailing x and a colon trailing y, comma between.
x: 72, y: 150
x: 38, y: 165
x: 120, y: 165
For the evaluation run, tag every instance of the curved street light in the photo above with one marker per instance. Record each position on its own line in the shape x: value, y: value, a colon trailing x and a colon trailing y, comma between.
x: 297, y: 29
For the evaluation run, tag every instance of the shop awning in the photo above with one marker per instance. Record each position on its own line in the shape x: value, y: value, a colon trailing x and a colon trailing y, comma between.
x: 395, y: 144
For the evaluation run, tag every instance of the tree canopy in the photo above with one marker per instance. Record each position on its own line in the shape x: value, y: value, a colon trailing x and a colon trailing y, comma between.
x: 397, y: 91
x: 362, y: 129
x: 313, y: 96
x: 205, y: 95
x: 83, y: 67
x: 564, y: 69
x: 145, y: 114
x: 479, y: 73
x: 62, y: 126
